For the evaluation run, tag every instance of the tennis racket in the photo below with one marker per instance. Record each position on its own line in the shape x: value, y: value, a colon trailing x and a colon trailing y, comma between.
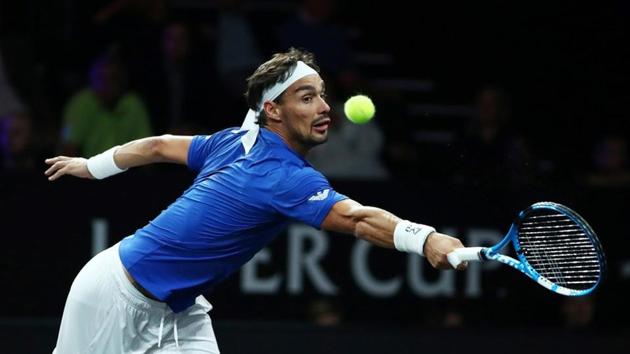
x: 555, y: 247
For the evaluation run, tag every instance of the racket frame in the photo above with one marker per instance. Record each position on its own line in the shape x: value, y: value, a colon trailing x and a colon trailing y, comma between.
x: 521, y: 264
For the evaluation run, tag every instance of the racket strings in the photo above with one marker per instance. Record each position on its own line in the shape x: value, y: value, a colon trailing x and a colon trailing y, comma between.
x: 528, y: 230
x: 559, y: 249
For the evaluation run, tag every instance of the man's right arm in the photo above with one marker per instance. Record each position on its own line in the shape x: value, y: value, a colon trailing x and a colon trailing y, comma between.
x: 165, y: 148
x: 381, y: 228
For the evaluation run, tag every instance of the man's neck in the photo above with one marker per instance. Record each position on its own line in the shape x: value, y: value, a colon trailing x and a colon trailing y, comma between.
x: 301, y: 150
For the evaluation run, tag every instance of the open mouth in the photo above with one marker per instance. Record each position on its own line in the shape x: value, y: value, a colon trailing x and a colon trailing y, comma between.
x: 322, y: 125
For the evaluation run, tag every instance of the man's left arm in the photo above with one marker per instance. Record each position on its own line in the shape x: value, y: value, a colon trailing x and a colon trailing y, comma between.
x: 165, y: 148
x: 384, y: 229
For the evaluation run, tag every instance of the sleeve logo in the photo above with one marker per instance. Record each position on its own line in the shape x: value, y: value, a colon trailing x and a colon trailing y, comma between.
x: 321, y: 195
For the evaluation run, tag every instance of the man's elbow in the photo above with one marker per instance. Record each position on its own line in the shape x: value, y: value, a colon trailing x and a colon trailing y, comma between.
x: 158, y: 147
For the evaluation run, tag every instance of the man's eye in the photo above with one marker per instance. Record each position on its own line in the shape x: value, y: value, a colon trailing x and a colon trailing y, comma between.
x: 307, y: 99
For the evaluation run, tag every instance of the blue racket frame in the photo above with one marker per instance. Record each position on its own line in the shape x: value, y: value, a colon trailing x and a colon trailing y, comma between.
x: 492, y: 253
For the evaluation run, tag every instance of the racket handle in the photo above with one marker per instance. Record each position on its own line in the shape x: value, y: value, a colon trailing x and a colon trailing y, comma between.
x: 456, y: 257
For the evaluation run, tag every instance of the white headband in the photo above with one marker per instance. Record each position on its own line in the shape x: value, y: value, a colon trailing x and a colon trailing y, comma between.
x: 270, y: 94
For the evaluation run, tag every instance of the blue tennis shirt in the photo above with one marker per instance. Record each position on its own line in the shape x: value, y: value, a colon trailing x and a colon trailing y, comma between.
x: 236, y: 205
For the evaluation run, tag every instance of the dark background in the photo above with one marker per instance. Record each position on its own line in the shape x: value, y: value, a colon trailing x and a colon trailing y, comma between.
x: 564, y: 65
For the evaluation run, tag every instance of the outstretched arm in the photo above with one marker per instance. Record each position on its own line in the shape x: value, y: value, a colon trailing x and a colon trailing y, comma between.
x: 165, y: 148
x: 384, y: 229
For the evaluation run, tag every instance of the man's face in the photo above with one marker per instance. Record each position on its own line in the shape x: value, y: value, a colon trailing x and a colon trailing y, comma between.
x: 304, y: 112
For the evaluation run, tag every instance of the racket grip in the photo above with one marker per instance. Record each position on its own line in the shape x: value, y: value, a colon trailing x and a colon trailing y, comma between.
x: 456, y: 257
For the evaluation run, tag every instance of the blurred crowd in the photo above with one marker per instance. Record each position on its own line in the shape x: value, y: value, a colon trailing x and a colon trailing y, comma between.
x: 125, y: 69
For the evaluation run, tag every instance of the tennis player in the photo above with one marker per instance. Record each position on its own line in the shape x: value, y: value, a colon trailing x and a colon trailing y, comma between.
x: 144, y: 293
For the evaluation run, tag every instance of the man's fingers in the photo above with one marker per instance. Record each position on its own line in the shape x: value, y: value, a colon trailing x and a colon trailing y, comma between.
x: 56, y: 166
x: 52, y: 169
x: 67, y: 166
x: 59, y: 173
x: 53, y: 160
x: 462, y: 266
x: 61, y: 170
x: 447, y: 266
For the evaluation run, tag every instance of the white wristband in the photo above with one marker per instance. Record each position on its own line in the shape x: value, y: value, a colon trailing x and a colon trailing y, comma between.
x: 103, y: 165
x: 410, y: 237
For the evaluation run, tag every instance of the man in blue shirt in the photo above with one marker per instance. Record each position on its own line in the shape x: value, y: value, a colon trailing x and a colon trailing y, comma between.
x: 145, y: 292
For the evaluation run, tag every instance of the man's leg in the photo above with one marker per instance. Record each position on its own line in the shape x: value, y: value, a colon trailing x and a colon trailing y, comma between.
x: 104, y: 313
x: 88, y: 306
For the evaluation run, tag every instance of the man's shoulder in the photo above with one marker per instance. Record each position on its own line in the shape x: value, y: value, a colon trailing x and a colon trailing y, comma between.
x: 225, y: 136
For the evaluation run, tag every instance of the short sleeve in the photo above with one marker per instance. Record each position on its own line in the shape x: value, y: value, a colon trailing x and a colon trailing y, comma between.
x: 306, y: 196
x: 200, y: 147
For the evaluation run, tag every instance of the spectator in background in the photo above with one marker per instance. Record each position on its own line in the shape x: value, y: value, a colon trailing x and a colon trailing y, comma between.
x: 492, y: 153
x: 17, y: 152
x: 105, y: 113
x: 353, y: 151
x: 237, y: 52
x: 610, y: 162
x: 175, y: 80
x: 10, y: 103
x: 16, y: 144
x: 129, y: 22
x: 134, y: 25
x: 313, y: 27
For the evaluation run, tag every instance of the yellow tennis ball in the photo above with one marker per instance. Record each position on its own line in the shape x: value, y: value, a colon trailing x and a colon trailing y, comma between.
x: 359, y: 109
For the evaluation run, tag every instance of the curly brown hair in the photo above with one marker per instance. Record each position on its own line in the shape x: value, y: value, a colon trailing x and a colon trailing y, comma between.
x: 275, y: 70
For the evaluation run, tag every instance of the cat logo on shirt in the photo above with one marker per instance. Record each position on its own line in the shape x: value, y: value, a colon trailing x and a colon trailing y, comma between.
x: 321, y: 195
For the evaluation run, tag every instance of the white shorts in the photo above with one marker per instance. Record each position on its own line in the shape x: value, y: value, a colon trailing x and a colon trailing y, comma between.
x: 105, y: 313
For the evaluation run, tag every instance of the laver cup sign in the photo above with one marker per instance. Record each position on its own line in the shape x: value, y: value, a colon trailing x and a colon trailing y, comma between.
x: 304, y: 264
x: 307, y: 268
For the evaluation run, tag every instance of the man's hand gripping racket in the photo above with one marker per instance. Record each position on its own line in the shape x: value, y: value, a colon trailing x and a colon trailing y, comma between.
x: 555, y: 247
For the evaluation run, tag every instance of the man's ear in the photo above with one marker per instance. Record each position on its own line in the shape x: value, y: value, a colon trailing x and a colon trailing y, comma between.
x: 272, y: 111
